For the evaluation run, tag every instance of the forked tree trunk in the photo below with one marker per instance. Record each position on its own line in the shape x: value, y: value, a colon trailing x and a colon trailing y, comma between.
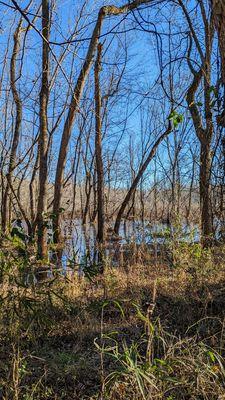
x: 205, y: 138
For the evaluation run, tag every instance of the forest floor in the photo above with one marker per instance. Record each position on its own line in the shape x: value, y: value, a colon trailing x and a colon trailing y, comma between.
x: 144, y: 330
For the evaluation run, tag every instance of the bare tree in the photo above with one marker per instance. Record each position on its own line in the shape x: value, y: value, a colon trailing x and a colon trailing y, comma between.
x: 17, y: 128
x: 105, y: 11
x: 43, y: 136
x: 98, y: 149
x: 203, y: 131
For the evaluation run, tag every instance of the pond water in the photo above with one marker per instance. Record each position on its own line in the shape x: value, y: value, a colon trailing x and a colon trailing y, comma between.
x: 80, y: 249
x: 80, y: 253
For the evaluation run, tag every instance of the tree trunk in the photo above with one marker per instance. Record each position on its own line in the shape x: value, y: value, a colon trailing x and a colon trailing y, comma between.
x: 75, y: 100
x: 218, y: 11
x: 98, y: 150
x: 205, y: 139
x: 43, y: 137
x: 16, y: 134
x: 205, y: 201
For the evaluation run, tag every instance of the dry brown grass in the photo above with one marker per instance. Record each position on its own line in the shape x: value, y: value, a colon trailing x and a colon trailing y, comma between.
x: 48, y: 330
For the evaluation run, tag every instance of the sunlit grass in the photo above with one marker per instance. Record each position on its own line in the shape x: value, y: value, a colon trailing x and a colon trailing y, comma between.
x: 71, y: 337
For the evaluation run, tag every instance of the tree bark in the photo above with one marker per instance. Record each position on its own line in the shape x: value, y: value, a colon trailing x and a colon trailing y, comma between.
x: 205, y: 201
x: 17, y: 129
x: 43, y: 137
x: 218, y: 12
x: 204, y: 135
x: 98, y: 150
x: 205, y: 138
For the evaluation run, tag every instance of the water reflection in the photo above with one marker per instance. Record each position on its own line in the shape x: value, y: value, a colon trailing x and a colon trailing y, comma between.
x: 81, y: 253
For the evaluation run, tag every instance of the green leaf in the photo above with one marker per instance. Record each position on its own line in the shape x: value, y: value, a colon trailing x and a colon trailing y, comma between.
x: 175, y: 118
x: 212, y: 356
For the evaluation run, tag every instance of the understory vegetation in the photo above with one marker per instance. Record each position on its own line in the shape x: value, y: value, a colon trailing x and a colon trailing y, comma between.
x: 146, y: 330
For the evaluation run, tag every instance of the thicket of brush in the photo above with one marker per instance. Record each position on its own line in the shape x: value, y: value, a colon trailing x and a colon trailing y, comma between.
x: 146, y: 330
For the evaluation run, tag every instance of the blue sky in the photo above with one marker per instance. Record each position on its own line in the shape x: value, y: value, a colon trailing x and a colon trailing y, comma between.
x: 140, y: 75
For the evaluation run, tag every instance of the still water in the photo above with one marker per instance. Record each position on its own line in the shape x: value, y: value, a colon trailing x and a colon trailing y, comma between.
x: 80, y: 253
x: 80, y: 249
